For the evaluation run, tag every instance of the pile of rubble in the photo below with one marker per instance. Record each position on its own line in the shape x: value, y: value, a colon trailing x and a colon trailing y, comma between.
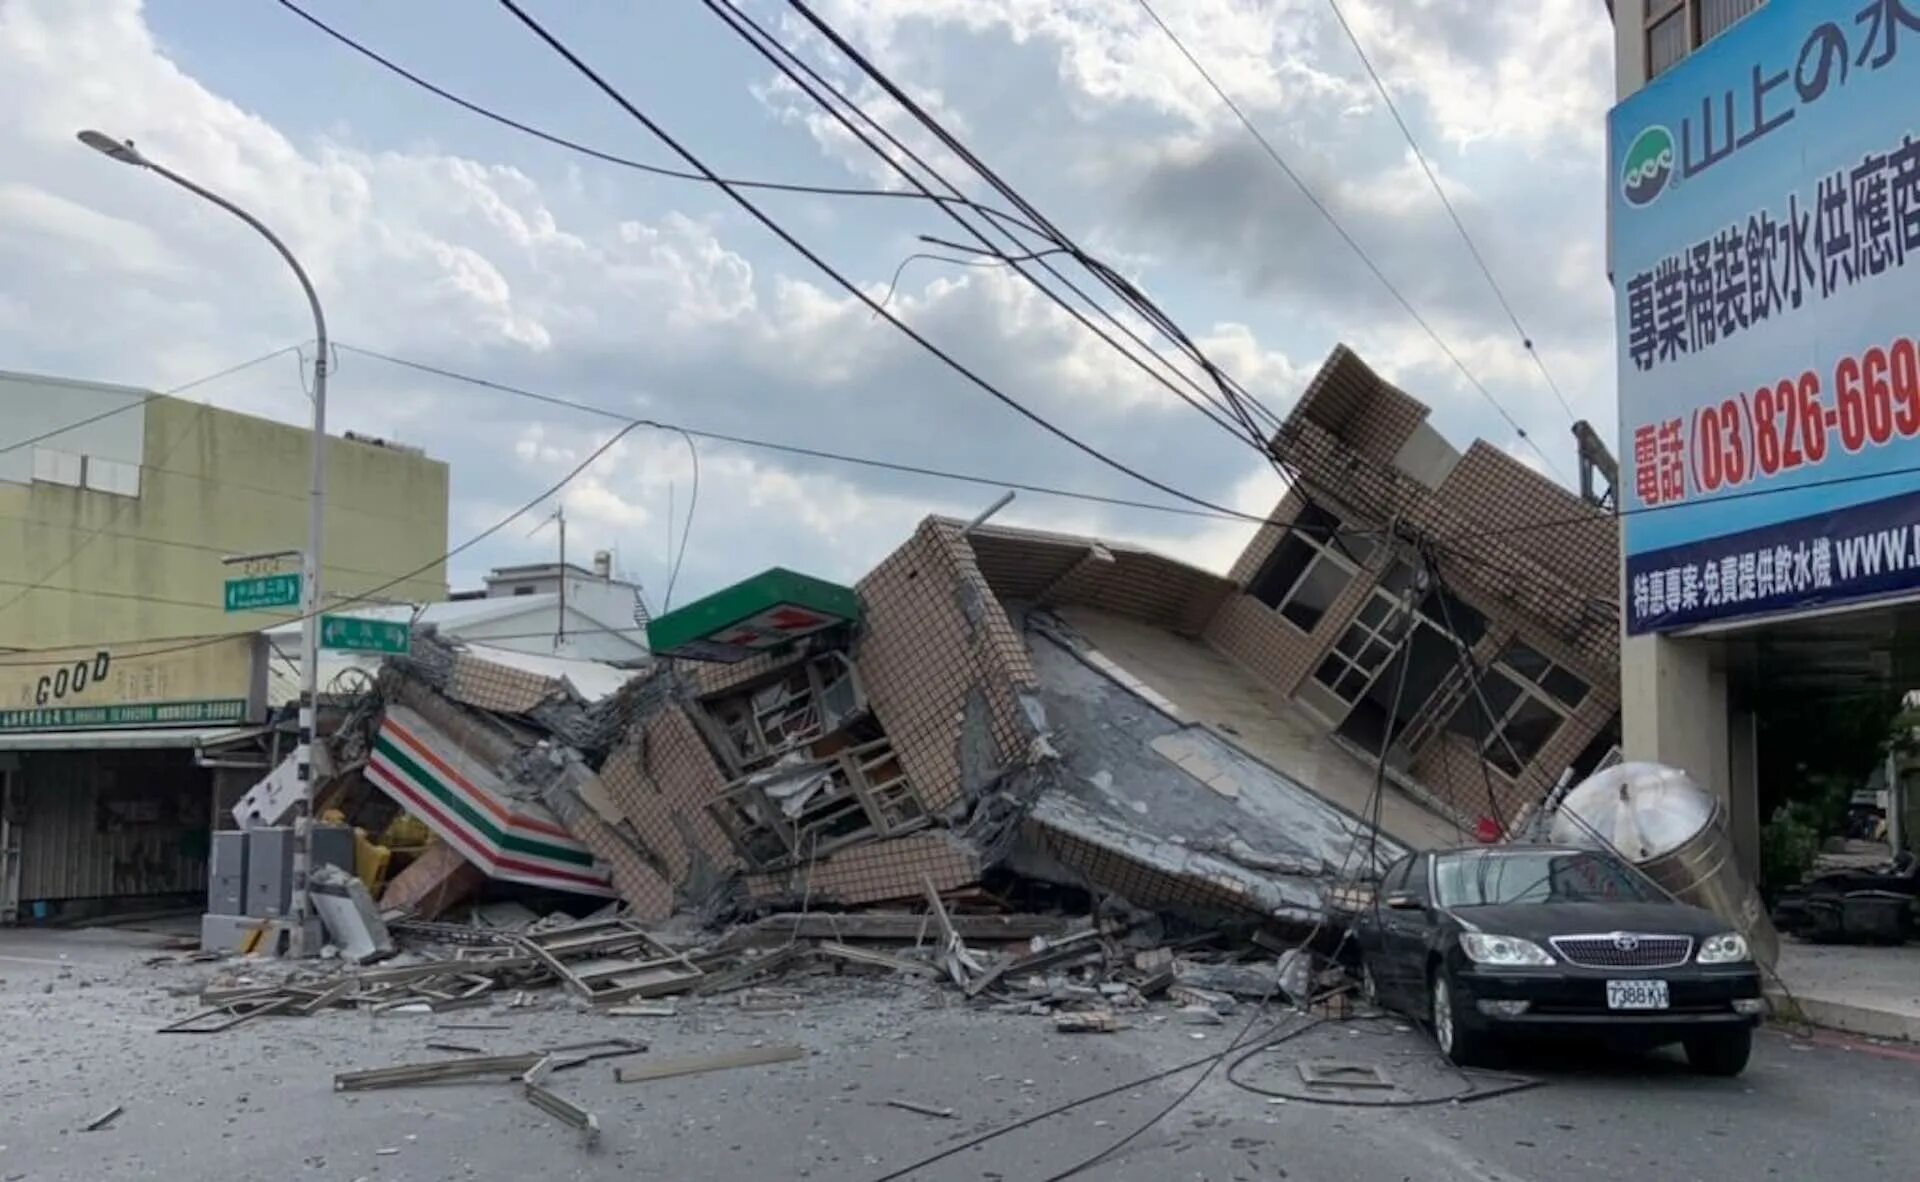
x: 1084, y: 975
x: 931, y: 777
x: 800, y: 745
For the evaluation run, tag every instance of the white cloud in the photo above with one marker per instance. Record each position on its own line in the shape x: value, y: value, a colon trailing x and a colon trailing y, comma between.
x: 603, y: 293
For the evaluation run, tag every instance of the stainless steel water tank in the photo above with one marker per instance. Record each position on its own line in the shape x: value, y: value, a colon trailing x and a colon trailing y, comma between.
x: 1661, y: 820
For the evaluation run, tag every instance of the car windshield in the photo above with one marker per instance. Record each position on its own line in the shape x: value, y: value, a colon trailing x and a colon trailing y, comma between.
x: 1536, y: 876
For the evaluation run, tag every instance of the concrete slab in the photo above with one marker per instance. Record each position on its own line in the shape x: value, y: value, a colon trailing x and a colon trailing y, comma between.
x: 1209, y: 689
x: 1872, y: 991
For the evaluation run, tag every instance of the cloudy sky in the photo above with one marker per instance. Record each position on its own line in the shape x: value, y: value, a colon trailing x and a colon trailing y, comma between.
x: 437, y: 236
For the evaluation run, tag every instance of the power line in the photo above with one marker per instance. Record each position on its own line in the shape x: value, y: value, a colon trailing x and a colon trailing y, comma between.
x: 1238, y: 398
x: 138, y: 403
x: 693, y: 499
x: 172, y: 543
x: 1587, y: 518
x: 1506, y: 306
x: 812, y: 452
x: 370, y: 593
x: 1346, y: 237
x: 574, y: 145
x: 779, y: 55
x: 839, y: 279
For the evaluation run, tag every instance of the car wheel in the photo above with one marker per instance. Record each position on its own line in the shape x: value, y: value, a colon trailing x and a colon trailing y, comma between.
x: 1461, y: 1045
x: 1724, y: 1052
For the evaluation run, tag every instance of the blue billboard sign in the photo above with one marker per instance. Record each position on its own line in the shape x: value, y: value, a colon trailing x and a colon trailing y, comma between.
x: 1765, y: 206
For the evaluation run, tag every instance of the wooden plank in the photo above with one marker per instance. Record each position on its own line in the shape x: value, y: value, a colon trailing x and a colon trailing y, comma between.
x: 700, y: 1064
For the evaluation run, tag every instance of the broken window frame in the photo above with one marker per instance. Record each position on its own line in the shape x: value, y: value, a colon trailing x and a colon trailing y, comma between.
x: 1515, y: 701
x: 1327, y: 558
x: 1551, y: 677
x: 743, y: 741
x: 1374, y: 644
x: 754, y: 818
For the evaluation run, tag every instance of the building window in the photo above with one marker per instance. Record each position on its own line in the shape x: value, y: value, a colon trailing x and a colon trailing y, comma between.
x: 1676, y: 28
x: 111, y: 476
x: 1356, y: 658
x: 53, y: 466
x: 1304, y: 576
x: 1564, y: 687
x: 1717, y: 16
x: 1519, y: 715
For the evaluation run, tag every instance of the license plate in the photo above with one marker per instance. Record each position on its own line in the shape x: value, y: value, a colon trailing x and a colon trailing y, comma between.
x: 1636, y: 995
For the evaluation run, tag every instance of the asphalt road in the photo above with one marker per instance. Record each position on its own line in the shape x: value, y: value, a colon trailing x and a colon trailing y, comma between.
x: 257, y: 1101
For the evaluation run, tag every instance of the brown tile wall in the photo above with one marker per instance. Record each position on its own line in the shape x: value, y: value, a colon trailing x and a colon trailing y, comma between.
x: 1347, y: 398
x: 712, y: 677
x: 1449, y: 767
x: 682, y: 771
x: 898, y: 868
x: 1553, y: 582
x: 643, y: 889
x: 500, y: 688
x: 1455, y: 519
x: 1264, y: 540
x: 1269, y: 645
x: 1139, y: 882
x: 1146, y: 587
x: 936, y: 635
x: 646, y: 810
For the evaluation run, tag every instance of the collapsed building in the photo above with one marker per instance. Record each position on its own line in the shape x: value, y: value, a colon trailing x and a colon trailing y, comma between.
x: 992, y: 709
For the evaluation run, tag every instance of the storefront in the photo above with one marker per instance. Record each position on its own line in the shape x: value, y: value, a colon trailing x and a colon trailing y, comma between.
x: 114, y: 763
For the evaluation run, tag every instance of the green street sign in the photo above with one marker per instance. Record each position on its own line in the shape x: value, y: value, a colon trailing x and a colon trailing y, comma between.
x: 245, y: 595
x: 367, y: 636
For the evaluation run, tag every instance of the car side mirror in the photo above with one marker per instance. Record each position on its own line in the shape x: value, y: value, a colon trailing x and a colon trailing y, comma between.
x: 1403, y: 901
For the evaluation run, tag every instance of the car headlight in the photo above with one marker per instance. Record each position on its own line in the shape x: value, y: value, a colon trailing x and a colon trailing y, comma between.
x: 1730, y: 948
x: 1502, y: 950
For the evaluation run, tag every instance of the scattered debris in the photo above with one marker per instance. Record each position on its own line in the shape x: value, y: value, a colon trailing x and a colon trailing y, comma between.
x: 351, y: 919
x: 480, y: 1066
x: 922, y: 1109
x: 533, y: 1087
x: 648, y: 1011
x: 455, y: 1048
x: 104, y: 1119
x: 1340, y: 1073
x: 227, y: 1015
x: 1086, y: 1022
x: 700, y: 1064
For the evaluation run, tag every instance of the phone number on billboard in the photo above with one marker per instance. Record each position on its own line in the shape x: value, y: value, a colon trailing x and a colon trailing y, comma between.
x: 1869, y: 401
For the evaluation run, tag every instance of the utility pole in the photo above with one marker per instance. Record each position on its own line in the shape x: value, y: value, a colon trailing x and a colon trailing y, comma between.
x: 559, y: 515
x: 310, y: 560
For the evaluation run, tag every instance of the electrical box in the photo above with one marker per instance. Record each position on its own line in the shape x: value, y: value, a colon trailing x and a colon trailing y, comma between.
x: 269, y: 871
x: 227, y: 874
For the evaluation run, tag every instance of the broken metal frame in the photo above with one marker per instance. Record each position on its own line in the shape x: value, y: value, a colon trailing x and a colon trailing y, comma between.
x: 232, y: 1013
x: 533, y: 1087
x: 771, y: 717
x: 866, y: 781
x: 448, y: 1070
x: 596, y: 960
x: 700, y: 1064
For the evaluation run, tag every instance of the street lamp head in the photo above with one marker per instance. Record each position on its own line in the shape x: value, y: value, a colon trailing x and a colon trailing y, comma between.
x: 106, y: 145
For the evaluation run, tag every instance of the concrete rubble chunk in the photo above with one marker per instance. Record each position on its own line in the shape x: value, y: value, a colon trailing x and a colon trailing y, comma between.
x: 347, y: 911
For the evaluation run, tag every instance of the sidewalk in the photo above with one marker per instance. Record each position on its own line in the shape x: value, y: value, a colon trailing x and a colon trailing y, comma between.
x: 1872, y: 991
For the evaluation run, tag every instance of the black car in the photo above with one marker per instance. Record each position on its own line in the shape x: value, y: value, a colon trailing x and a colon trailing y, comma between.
x: 1543, y: 940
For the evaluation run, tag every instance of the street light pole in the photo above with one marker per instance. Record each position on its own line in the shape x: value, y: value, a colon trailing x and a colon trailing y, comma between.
x: 310, y: 562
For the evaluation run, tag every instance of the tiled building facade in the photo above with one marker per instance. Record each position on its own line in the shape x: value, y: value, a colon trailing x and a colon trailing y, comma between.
x: 1400, y: 553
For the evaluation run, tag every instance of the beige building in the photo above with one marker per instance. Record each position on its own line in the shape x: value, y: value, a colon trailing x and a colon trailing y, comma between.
x: 114, y: 530
x: 132, y: 703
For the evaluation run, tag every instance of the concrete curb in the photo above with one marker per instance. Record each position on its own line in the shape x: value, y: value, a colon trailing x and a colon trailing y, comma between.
x: 1844, y: 1016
